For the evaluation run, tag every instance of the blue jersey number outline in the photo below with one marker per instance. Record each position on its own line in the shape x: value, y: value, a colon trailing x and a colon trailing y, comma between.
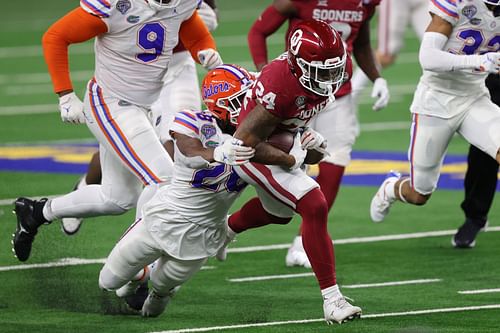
x: 151, y: 39
x: 473, y: 40
x: 231, y: 184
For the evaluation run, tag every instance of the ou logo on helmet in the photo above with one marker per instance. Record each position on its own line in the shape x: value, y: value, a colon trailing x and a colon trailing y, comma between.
x: 296, y: 41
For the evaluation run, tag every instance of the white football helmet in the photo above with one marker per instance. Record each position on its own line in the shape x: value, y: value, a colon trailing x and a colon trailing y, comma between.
x: 163, y: 4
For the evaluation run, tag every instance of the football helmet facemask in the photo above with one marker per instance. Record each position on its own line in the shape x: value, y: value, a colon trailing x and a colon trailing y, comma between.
x: 163, y: 4
x: 223, y: 90
x: 317, y: 57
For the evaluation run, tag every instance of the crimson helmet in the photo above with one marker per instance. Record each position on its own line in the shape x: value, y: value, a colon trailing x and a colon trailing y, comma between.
x: 317, y: 56
x: 223, y: 90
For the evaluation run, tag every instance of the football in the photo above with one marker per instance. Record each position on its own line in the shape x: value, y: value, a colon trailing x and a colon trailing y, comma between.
x: 281, y: 139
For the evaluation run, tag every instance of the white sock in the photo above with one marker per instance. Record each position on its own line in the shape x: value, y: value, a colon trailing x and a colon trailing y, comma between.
x: 389, y: 189
x: 331, y: 292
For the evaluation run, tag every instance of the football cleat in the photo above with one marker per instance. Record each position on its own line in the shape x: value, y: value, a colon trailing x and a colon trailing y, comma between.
x: 340, y: 310
x: 381, y: 202
x: 136, y: 300
x: 155, y: 304
x: 71, y: 225
x: 130, y: 288
x: 465, y: 237
x: 27, y: 227
x: 296, y: 255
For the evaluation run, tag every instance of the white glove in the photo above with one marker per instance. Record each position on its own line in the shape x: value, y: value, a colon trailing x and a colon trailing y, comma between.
x: 381, y: 92
x: 490, y: 62
x: 71, y: 108
x: 209, y: 58
x: 297, y: 152
x: 233, y: 152
x: 310, y: 139
x: 208, y: 16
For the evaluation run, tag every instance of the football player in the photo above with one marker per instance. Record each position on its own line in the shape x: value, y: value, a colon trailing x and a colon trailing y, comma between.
x: 289, y: 92
x: 133, y: 46
x: 337, y: 123
x: 459, y: 48
x: 180, y: 91
x: 393, y: 18
x: 185, y: 222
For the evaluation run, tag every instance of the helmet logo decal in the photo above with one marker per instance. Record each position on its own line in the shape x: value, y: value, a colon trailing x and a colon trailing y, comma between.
x: 296, y: 41
x: 213, y: 89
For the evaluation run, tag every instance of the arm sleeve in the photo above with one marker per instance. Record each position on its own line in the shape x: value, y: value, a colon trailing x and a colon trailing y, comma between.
x: 267, y: 23
x: 433, y: 58
x: 76, y: 27
x: 195, y: 36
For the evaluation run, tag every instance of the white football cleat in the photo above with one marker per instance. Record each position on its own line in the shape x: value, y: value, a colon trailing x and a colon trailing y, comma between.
x: 340, y: 310
x: 131, y: 287
x: 296, y: 255
x: 382, y: 201
x: 155, y: 304
x: 221, y: 255
x: 71, y: 225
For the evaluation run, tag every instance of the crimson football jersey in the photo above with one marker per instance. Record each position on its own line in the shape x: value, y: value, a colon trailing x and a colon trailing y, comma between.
x: 281, y: 93
x: 346, y: 16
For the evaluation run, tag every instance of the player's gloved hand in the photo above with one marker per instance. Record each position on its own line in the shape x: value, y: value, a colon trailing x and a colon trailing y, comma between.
x: 71, y: 108
x: 233, y: 152
x: 209, y: 58
x: 208, y: 16
x: 310, y: 139
x: 490, y: 62
x: 297, y: 152
x: 380, y: 91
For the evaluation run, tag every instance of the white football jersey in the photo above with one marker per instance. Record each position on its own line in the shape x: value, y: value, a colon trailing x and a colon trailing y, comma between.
x: 131, y: 59
x: 188, y: 216
x: 475, y: 31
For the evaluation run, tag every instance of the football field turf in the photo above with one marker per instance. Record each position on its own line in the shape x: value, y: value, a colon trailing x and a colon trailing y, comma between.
x: 404, y: 273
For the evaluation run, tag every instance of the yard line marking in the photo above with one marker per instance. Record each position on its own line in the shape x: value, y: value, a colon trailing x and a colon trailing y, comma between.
x: 28, y: 109
x: 63, y: 263
x: 307, y: 321
x: 356, y: 240
x: 479, y: 291
x: 348, y: 286
x: 389, y: 284
x: 270, y: 277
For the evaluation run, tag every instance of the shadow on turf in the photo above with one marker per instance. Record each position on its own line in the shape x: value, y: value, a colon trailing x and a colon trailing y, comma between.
x: 75, y: 291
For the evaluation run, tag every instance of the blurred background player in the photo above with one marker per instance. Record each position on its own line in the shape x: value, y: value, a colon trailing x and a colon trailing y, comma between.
x: 337, y: 123
x: 394, y: 16
x: 185, y: 222
x: 180, y: 91
x: 451, y: 97
x: 288, y: 93
x: 480, y: 184
x: 132, y: 53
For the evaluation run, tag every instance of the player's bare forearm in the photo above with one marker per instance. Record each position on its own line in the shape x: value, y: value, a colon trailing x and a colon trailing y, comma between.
x: 313, y: 157
x: 257, y: 126
x: 254, y: 131
x: 191, y: 147
x: 363, y: 53
x: 269, y: 155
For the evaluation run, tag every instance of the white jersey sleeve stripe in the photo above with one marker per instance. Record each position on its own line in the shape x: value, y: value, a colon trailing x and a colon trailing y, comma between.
x: 100, y: 8
x: 446, y: 7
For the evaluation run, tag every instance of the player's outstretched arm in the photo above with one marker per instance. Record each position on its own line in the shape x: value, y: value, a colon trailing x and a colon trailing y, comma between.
x: 266, y: 24
x: 254, y: 131
x: 432, y: 56
x: 195, y: 154
x: 75, y: 27
x: 197, y: 39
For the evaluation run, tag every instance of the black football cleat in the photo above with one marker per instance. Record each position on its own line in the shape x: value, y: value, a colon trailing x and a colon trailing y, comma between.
x: 465, y: 237
x: 136, y: 300
x: 27, y: 227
